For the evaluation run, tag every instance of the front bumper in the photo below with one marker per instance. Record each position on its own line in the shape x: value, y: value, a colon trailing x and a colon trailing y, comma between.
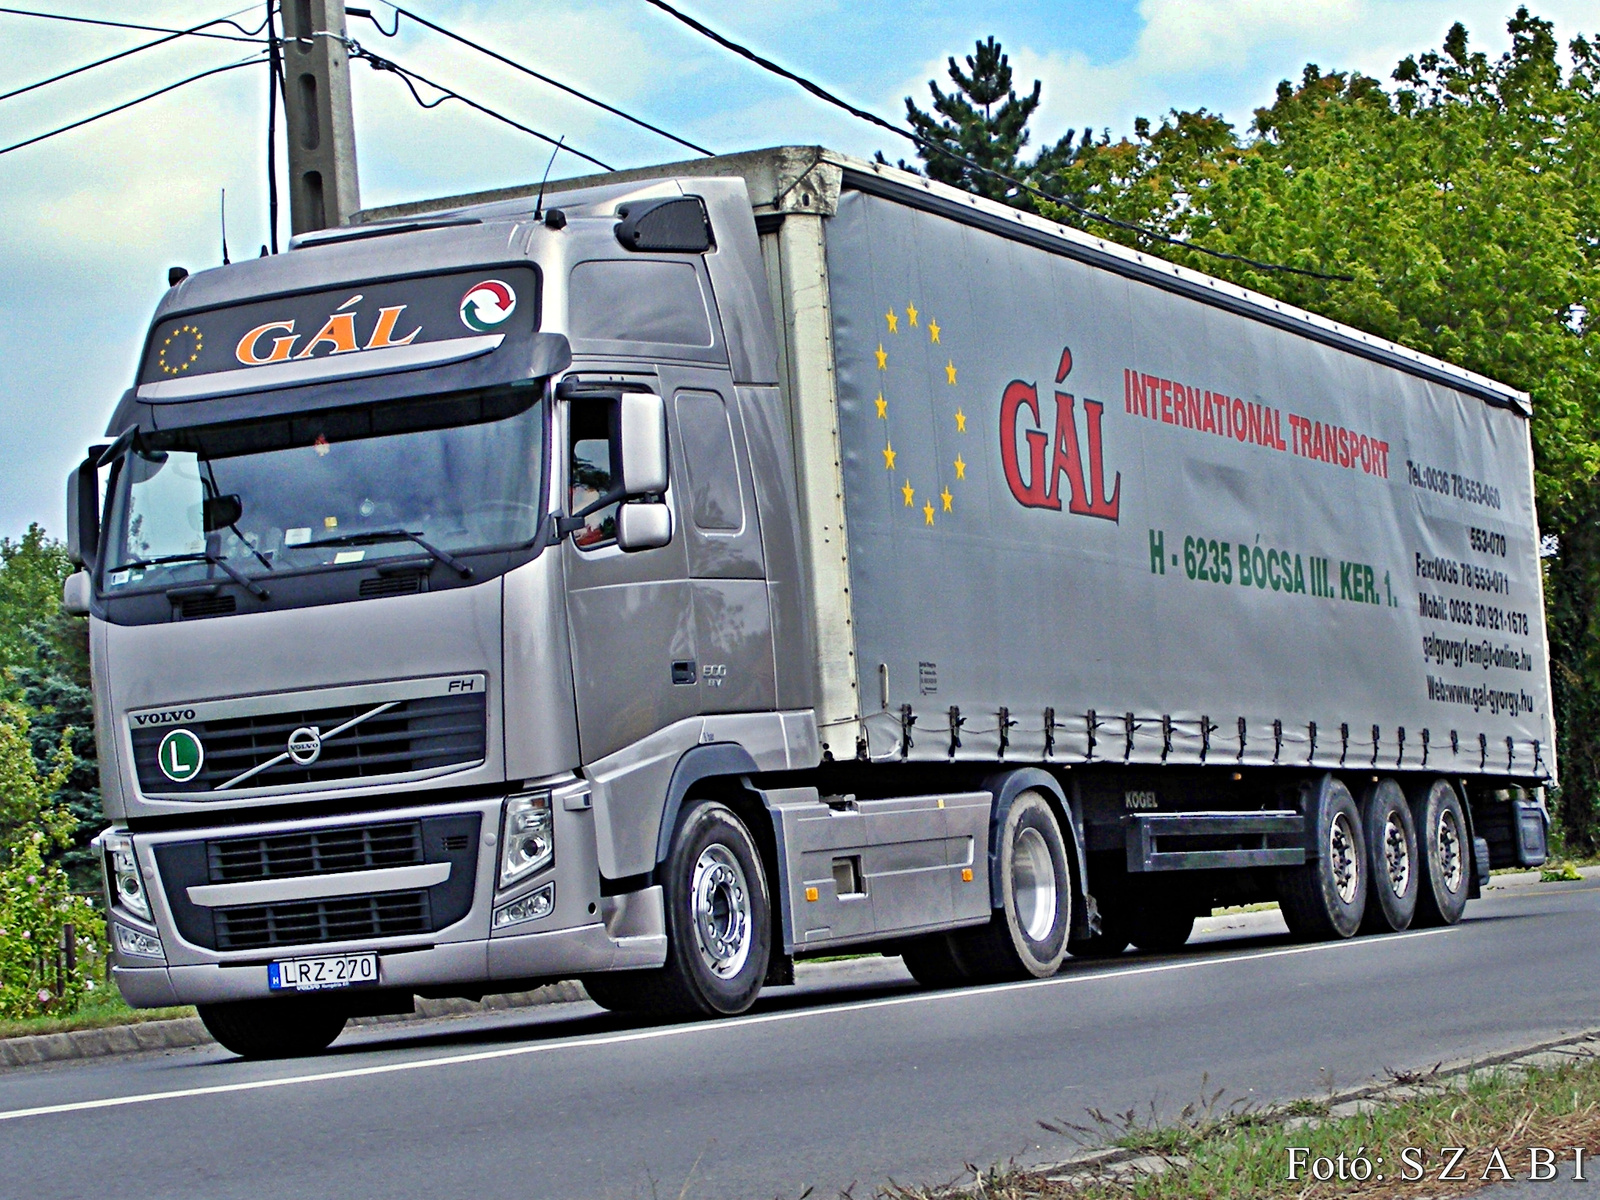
x: 583, y: 933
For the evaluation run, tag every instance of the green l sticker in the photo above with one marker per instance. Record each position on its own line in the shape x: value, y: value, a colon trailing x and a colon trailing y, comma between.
x: 180, y: 756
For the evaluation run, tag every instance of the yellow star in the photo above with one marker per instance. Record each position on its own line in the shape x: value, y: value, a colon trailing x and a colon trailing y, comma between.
x: 950, y: 371
x: 961, y: 468
x: 911, y: 313
x: 883, y: 407
x: 888, y: 457
x: 909, y: 493
x: 927, y: 513
x: 894, y: 320
x: 946, y: 497
x: 961, y: 417
x: 883, y: 358
x: 933, y: 330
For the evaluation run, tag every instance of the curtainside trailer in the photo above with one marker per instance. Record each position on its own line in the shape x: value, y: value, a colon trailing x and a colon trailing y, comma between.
x: 685, y: 571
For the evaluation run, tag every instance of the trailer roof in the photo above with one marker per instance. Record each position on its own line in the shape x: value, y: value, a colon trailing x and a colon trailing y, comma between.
x: 781, y: 177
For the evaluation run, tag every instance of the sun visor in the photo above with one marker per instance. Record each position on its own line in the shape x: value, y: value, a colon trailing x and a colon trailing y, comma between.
x: 361, y: 343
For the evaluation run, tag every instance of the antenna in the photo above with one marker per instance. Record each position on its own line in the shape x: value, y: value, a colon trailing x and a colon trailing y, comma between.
x: 538, y: 205
x: 224, y: 226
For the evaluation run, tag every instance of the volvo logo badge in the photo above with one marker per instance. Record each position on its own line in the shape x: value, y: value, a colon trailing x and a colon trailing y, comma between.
x: 305, y: 745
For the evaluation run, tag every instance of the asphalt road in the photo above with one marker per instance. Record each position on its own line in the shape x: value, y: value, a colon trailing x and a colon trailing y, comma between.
x: 855, y: 1077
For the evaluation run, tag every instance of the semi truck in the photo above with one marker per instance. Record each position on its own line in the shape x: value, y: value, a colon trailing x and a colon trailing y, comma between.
x: 667, y: 575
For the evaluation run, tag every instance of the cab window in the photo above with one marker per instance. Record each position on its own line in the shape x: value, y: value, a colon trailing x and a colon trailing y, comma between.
x: 589, y: 473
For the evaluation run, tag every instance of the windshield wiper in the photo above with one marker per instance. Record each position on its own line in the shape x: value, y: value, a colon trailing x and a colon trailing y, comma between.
x: 389, y: 535
x: 233, y: 573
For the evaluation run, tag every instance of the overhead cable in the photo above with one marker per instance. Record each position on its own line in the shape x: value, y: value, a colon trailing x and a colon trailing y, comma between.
x: 100, y: 62
x: 244, y: 35
x: 253, y: 59
x: 379, y: 63
x: 933, y: 147
x: 501, y: 58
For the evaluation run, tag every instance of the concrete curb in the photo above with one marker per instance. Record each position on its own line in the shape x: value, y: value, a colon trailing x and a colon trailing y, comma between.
x: 37, y: 1049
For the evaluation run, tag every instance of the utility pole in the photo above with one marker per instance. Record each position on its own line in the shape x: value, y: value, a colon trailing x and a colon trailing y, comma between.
x: 323, y: 190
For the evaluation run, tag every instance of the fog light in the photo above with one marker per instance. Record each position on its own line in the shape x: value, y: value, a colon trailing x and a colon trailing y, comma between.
x: 140, y: 945
x: 527, y: 837
x: 536, y: 904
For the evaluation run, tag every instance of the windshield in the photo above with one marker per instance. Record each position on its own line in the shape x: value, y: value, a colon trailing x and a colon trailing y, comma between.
x: 346, y: 486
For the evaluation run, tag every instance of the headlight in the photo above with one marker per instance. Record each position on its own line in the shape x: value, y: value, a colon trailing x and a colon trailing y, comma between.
x: 127, y: 884
x: 527, y: 837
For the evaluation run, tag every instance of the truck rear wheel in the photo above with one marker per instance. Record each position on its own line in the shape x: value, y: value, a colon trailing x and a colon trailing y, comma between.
x: 1443, y: 852
x: 288, y: 1028
x: 932, y: 963
x: 1325, y: 897
x: 1391, y: 838
x: 1027, y: 937
x: 1160, y: 930
x: 719, y: 926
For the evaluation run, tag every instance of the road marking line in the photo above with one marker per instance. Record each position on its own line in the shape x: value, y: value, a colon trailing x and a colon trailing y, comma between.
x: 643, y: 1035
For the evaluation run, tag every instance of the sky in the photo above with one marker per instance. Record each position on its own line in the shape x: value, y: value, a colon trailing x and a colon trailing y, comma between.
x: 91, y: 220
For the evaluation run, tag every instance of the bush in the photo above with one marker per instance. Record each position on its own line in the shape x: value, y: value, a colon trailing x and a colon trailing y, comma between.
x: 51, y: 941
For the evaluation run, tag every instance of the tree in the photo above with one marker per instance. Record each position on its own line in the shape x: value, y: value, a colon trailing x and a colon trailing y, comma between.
x: 32, y: 571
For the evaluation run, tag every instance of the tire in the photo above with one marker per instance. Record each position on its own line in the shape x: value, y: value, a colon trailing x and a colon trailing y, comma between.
x: 719, y: 926
x: 932, y: 963
x: 1027, y: 936
x: 1393, y: 868
x: 1160, y: 930
x: 1326, y: 897
x: 1444, y: 851
x: 292, y: 1027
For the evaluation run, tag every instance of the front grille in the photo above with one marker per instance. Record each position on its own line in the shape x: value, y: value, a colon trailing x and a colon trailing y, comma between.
x: 195, y: 607
x: 323, y: 851
x: 307, y: 922
x: 408, y: 736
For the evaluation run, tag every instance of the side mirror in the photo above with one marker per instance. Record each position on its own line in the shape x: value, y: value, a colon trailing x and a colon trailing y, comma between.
x: 75, y: 593
x: 83, y: 513
x: 643, y: 526
x: 642, y: 432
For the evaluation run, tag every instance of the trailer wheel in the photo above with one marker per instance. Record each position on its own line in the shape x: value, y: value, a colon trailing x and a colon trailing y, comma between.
x: 1444, y: 852
x: 1325, y: 897
x: 288, y: 1028
x: 1027, y: 937
x: 718, y: 926
x: 1391, y: 837
x: 932, y: 963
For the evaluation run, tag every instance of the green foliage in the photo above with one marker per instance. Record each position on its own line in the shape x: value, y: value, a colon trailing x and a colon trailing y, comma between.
x: 38, y: 974
x: 32, y: 571
x: 1464, y: 203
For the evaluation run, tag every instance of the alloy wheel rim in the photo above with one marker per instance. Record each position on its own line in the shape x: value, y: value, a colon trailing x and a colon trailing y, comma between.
x: 1451, y: 863
x: 1396, y: 855
x: 721, y: 911
x: 1342, y: 858
x: 1033, y: 884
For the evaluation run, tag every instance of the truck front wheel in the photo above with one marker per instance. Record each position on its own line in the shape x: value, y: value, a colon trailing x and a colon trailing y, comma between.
x: 288, y: 1028
x: 719, y: 926
x: 1444, y: 851
x: 1326, y: 897
x: 1027, y: 937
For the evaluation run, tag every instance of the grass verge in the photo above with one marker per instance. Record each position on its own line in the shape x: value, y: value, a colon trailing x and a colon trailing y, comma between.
x: 1236, y: 1151
x: 103, y: 1008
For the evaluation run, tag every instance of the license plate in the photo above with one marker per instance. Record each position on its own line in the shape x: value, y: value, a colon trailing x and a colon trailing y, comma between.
x: 323, y: 974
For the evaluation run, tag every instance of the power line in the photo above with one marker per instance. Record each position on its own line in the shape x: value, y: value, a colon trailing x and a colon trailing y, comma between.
x: 253, y: 59
x: 555, y: 83
x: 100, y: 62
x: 935, y: 147
x: 379, y: 63
x: 244, y: 35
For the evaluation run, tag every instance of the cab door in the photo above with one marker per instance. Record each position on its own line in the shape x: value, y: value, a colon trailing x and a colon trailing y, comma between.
x: 721, y: 536
x: 631, y: 616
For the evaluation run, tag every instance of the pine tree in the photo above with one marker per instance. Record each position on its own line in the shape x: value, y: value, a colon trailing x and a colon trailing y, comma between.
x: 983, y: 120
